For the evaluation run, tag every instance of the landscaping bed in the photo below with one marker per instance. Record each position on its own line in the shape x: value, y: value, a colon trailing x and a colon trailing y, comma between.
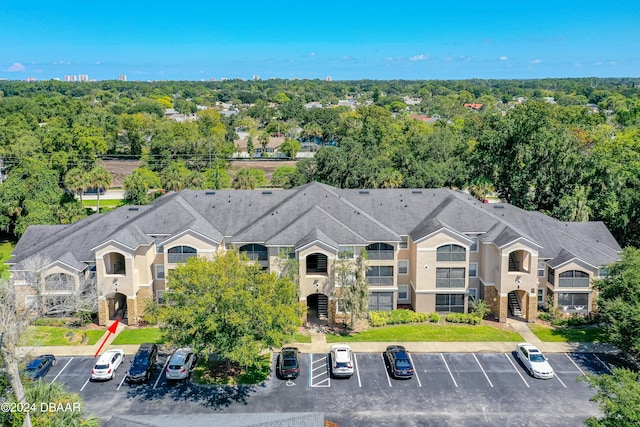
x: 215, y: 371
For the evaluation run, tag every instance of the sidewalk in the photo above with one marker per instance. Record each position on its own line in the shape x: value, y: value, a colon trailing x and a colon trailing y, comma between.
x: 319, y: 345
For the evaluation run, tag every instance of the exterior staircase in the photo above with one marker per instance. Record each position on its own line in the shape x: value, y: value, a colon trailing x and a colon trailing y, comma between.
x: 323, y: 311
x: 514, y: 305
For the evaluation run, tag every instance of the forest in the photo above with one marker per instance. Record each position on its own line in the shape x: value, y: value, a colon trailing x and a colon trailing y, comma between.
x: 567, y: 147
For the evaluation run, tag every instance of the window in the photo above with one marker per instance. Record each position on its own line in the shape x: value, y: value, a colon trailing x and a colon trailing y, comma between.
x: 316, y: 264
x: 473, y: 294
x: 540, y: 297
x: 380, y: 275
x: 381, y: 301
x: 287, y: 252
x: 254, y: 251
x: 450, y: 302
x: 159, y: 247
x: 451, y: 253
x: 92, y: 272
x: 450, y: 278
x: 404, y: 244
x: 551, y: 275
x: 603, y: 272
x: 32, y: 302
x: 180, y: 254
x: 347, y: 252
x: 403, y: 292
x: 160, y: 271
x: 473, y: 269
x: 160, y: 296
x: 403, y: 267
x: 59, y: 282
x: 114, y: 263
x: 573, y: 303
x: 474, y: 244
x: 574, y: 279
x: 541, y: 268
x: 380, y: 251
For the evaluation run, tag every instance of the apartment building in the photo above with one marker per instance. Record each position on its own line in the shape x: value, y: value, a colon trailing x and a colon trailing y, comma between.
x: 428, y: 249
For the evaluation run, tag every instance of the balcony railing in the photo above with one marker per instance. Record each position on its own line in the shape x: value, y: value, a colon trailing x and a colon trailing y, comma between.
x: 178, y: 258
x: 380, y: 280
x: 380, y: 254
x: 573, y: 282
x: 450, y: 283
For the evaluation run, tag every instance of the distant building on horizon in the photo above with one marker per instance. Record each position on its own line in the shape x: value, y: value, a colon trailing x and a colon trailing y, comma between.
x: 31, y: 79
x: 328, y: 79
x: 122, y: 77
x: 70, y: 78
x: 83, y: 77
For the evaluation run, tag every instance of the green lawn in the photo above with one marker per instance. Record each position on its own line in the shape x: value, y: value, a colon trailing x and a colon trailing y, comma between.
x: 6, y: 247
x: 430, y: 332
x: 109, y: 203
x: 301, y: 338
x: 551, y: 334
x: 51, y: 335
x: 139, y: 336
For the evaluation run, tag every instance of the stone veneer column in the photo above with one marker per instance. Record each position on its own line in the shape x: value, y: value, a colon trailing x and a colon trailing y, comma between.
x: 492, y: 299
x: 132, y: 311
x: 103, y: 312
x: 504, y: 309
x: 331, y: 308
x: 532, y: 310
x: 142, y: 298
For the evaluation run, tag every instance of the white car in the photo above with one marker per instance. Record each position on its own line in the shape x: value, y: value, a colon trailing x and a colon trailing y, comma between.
x: 105, y: 368
x: 534, y: 361
x: 181, y: 363
x: 341, y: 360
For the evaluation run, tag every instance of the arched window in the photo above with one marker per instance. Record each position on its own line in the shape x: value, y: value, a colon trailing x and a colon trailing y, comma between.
x: 380, y: 251
x: 114, y: 263
x: 180, y: 254
x: 254, y: 251
x: 451, y: 253
x: 574, y: 279
x: 316, y: 264
x: 59, y: 282
x: 520, y: 261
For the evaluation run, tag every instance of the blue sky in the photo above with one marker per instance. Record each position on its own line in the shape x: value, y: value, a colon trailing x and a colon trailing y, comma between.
x: 194, y: 40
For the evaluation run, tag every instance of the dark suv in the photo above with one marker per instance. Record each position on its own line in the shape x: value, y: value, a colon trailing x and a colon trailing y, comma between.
x: 288, y: 364
x: 143, y: 363
x: 400, y: 364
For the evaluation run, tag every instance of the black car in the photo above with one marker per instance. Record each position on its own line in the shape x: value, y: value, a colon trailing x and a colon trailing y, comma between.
x: 143, y: 363
x: 39, y: 366
x: 400, y: 364
x: 288, y: 364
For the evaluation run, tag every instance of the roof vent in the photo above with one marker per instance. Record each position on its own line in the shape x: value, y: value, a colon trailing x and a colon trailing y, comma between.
x: 363, y: 191
x: 498, y: 207
x: 210, y: 193
x: 266, y: 192
x: 134, y: 209
x: 416, y: 191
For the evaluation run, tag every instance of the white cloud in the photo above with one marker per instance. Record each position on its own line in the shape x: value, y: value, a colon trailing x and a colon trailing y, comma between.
x: 16, y: 67
x: 418, y: 58
x: 312, y: 54
x: 504, y: 58
x: 613, y: 63
x: 536, y: 61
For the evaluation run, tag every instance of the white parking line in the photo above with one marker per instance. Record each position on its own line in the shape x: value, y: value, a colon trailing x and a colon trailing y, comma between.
x: 63, y: 368
x: 355, y: 361
x: 123, y: 378
x: 485, y: 374
x: 161, y: 372
x: 603, y: 364
x: 85, y: 383
x: 575, y: 364
x: 563, y: 385
x: 386, y: 371
x: 324, y: 371
x: 415, y: 370
x: 516, y: 369
x: 445, y: 364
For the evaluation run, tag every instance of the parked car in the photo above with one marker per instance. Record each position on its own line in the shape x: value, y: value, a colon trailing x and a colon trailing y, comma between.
x: 534, y: 361
x: 400, y: 365
x: 341, y: 360
x: 143, y: 363
x: 181, y: 364
x: 288, y: 364
x: 108, y: 363
x: 39, y: 366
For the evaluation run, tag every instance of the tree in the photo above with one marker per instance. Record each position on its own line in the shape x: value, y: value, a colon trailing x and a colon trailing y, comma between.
x: 16, y: 315
x: 138, y: 184
x: 281, y: 175
x: 248, y: 179
x: 619, y: 301
x: 51, y: 393
x: 77, y: 181
x: 100, y: 179
x: 290, y: 147
x: 352, y: 288
x: 618, y: 396
x: 228, y: 306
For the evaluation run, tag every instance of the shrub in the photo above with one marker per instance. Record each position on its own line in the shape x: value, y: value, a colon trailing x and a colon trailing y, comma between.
x: 401, y: 316
x: 468, y: 318
x: 50, y: 322
x: 545, y: 316
x: 434, y: 317
x: 378, y: 318
x: 480, y: 308
x: 559, y: 321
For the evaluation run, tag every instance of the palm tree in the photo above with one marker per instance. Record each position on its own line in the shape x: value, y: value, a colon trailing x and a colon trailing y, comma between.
x: 480, y: 188
x: 100, y: 178
x: 77, y: 181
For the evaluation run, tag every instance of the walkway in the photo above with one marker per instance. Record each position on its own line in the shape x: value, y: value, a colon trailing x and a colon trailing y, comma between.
x: 319, y: 344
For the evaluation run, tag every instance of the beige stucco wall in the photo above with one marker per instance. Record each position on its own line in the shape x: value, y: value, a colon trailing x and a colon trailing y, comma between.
x: 325, y: 281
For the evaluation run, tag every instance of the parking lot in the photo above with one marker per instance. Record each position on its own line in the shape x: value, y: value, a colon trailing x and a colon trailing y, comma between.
x: 447, y: 389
